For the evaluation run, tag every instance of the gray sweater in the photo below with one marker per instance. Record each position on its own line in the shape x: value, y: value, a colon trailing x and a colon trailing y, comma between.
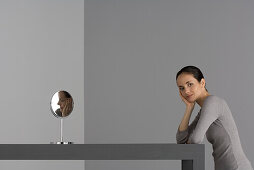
x: 216, y: 121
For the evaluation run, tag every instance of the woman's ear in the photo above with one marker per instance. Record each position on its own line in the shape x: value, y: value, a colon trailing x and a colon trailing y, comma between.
x: 203, y: 82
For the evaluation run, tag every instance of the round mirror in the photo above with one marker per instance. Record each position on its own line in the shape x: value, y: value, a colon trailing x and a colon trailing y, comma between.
x: 61, y: 104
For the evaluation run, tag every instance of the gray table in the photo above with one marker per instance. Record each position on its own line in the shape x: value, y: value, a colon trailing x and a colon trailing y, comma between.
x: 192, y: 155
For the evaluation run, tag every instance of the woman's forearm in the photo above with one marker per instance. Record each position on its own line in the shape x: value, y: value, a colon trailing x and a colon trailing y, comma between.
x: 185, y: 120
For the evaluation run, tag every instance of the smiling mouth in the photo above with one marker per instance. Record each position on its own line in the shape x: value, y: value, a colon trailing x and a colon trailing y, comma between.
x: 190, y: 96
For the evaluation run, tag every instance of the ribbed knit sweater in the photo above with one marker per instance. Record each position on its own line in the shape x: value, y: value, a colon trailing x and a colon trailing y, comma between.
x: 215, y: 120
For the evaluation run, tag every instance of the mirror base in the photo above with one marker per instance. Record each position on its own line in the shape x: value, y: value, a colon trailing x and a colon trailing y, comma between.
x: 62, y: 143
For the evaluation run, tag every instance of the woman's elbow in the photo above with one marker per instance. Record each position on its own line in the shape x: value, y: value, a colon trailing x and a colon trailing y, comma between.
x: 195, y: 141
x: 181, y: 141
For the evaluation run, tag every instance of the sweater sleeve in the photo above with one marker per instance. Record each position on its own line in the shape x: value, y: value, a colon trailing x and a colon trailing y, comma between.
x: 209, y: 113
x: 182, y: 136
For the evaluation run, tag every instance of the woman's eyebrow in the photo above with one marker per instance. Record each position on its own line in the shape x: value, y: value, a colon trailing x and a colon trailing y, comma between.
x: 185, y: 83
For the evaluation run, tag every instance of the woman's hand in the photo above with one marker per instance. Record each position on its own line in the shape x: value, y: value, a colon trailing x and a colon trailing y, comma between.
x: 67, y: 108
x: 188, y: 104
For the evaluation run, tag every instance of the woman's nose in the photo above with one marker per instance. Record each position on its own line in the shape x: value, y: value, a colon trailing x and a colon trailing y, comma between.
x: 186, y: 91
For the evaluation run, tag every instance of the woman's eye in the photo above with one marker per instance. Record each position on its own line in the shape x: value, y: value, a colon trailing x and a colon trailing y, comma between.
x: 181, y: 89
x: 190, y: 84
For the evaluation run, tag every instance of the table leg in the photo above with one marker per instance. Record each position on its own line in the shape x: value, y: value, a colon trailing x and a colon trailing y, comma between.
x: 187, y: 165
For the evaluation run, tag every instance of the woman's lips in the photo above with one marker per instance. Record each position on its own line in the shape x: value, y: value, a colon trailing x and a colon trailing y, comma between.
x: 189, y: 96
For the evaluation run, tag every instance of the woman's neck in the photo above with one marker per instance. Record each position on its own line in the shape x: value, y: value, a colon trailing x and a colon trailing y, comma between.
x: 201, y: 100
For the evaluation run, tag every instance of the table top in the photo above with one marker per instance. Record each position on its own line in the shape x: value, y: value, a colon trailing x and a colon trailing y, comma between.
x: 129, y: 151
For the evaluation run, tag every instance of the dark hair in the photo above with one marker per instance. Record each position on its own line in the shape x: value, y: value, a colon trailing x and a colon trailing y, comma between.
x: 66, y: 94
x: 197, y: 74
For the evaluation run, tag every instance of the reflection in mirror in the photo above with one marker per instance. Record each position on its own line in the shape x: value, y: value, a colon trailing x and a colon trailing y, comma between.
x: 61, y: 104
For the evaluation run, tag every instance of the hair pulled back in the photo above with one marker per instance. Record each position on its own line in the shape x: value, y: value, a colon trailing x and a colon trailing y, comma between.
x: 197, y: 74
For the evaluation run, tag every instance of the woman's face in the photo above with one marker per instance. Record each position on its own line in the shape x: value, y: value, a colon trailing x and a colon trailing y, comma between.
x: 62, y: 100
x: 189, y: 87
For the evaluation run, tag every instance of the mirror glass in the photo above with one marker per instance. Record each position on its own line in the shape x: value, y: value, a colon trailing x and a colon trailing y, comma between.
x: 61, y: 104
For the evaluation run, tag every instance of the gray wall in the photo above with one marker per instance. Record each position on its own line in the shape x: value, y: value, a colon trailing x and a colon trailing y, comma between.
x: 41, y: 52
x: 133, y: 49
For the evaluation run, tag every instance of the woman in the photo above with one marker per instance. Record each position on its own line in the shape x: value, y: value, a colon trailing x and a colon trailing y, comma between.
x: 213, y: 120
x: 65, y: 103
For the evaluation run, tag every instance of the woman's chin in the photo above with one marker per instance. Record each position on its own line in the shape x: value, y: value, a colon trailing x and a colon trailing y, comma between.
x: 191, y: 100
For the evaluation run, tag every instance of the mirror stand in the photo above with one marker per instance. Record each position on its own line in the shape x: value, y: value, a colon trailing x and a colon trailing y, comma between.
x: 61, y: 135
x: 61, y: 107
